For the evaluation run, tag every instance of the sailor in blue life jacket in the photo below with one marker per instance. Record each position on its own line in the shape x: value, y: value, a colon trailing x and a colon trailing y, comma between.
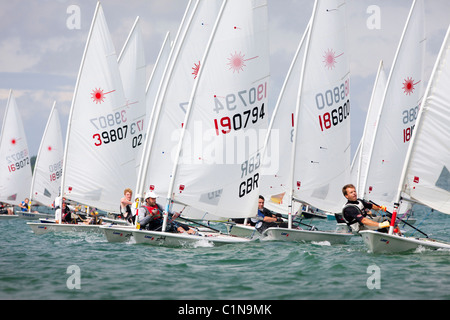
x: 266, y: 218
x: 24, y: 205
x: 355, y: 216
x: 153, y: 217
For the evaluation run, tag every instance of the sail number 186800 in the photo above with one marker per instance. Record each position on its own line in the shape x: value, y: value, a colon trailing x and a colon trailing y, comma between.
x: 335, y: 117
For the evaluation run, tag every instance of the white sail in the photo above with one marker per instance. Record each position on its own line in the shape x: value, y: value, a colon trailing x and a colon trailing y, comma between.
x: 173, y: 97
x: 132, y: 68
x: 276, y: 181
x: 133, y: 72
x: 426, y: 175
x: 154, y: 84
x: 398, y: 114
x: 47, y: 174
x: 15, y: 167
x: 359, y: 168
x: 99, y: 155
x: 219, y: 153
x: 320, y: 160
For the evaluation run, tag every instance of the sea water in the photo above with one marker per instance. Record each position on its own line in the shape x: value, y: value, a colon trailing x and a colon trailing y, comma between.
x: 67, y: 266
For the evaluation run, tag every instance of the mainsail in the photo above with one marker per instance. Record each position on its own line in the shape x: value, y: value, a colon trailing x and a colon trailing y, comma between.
x: 275, y: 182
x: 99, y: 158
x: 218, y: 164
x: 320, y: 157
x: 361, y: 160
x: 398, y: 114
x: 15, y: 165
x: 426, y: 174
x: 47, y: 174
x: 173, y: 97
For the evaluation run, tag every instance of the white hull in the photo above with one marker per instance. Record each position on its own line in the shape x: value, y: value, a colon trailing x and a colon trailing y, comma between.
x: 378, y: 242
x: 118, y: 233
x: 8, y: 216
x: 43, y: 228
x: 115, y: 221
x: 295, y: 235
x: 34, y: 216
x: 169, y: 239
x: 240, y: 230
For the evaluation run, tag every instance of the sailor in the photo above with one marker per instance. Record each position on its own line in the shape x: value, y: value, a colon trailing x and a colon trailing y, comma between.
x: 355, y: 215
x: 24, y: 205
x: 5, y: 210
x: 150, y: 213
x: 125, y: 206
x: 266, y: 218
x: 152, y: 217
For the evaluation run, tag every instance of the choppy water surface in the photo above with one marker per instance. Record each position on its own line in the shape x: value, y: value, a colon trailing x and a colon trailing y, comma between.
x: 41, y: 267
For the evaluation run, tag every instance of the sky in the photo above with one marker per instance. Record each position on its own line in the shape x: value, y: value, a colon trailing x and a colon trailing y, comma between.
x: 42, y: 43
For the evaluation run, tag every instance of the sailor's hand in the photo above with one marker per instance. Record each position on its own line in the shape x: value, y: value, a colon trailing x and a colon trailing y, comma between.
x: 385, y: 224
x: 176, y: 215
x: 383, y: 208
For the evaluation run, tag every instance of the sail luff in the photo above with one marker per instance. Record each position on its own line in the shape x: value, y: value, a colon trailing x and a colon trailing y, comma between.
x: 158, y: 59
x: 187, y: 116
x: 389, y: 87
x: 69, y: 123
x: 151, y: 129
x: 296, y: 116
x: 422, y: 112
x: 38, y: 156
x: 360, y: 186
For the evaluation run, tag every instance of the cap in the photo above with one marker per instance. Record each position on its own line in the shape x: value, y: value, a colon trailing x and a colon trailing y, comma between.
x: 150, y: 194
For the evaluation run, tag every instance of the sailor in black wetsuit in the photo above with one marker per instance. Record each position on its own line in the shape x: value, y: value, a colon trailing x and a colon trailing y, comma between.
x: 267, y: 219
x: 355, y: 215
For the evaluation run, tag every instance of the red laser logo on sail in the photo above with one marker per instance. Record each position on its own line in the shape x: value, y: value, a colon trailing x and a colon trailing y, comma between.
x: 98, y: 96
x: 409, y: 86
x: 330, y: 59
x: 237, y: 62
x: 196, y: 69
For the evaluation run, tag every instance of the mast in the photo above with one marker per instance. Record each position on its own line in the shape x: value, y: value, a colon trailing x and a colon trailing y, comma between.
x: 151, y: 129
x: 66, y: 148
x: 296, y: 117
x: 388, y: 84
x: 419, y: 121
x: 187, y: 117
x: 39, y: 154
x: 358, y: 179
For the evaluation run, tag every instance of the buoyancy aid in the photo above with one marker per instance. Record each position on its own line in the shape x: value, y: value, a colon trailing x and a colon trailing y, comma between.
x: 149, y: 209
x: 354, y: 224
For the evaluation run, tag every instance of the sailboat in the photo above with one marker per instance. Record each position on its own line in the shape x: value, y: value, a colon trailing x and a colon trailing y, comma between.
x: 172, y: 87
x: 398, y: 113
x: 315, y: 136
x: 227, y: 104
x: 104, y: 123
x: 110, y: 232
x: 424, y: 180
x: 15, y: 172
x: 45, y: 186
x: 361, y: 159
